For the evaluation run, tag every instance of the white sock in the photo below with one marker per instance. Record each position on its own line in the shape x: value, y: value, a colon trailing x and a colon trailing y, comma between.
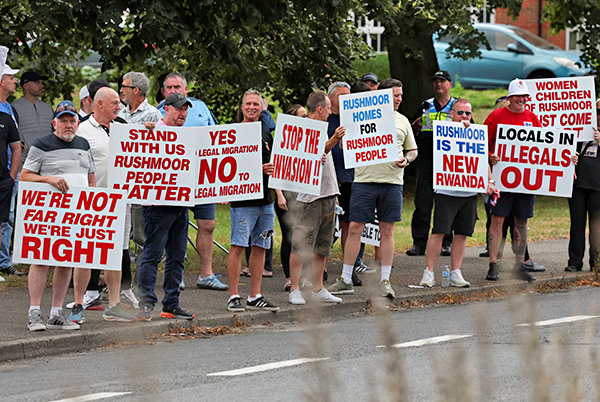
x: 347, y: 273
x: 386, y: 270
x: 92, y: 294
x: 31, y: 308
x: 251, y: 299
x: 55, y: 311
x: 232, y: 297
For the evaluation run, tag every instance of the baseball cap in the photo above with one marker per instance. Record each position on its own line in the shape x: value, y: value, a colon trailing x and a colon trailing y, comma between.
x: 8, y: 70
x: 369, y: 77
x: 177, y: 100
x: 443, y: 74
x: 84, y: 92
x: 63, y: 107
x: 517, y: 87
x: 31, y: 76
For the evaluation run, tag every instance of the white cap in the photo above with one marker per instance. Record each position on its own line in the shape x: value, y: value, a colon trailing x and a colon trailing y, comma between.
x: 84, y: 92
x: 8, y: 70
x: 518, y: 87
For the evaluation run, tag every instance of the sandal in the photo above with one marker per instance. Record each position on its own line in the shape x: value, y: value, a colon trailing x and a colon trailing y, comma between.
x: 288, y: 286
x: 245, y: 272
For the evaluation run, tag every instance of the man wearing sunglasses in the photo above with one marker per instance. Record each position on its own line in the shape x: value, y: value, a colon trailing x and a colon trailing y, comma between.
x: 454, y: 210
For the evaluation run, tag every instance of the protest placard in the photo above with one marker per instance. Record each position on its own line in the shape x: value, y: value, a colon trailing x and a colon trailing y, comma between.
x: 298, y: 147
x: 534, y: 160
x: 460, y: 157
x: 569, y: 103
x: 157, y: 167
x: 82, y: 228
x: 230, y: 163
x: 370, y: 128
x: 370, y: 235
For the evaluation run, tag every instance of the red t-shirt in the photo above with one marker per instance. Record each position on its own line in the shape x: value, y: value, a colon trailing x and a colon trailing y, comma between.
x: 505, y: 116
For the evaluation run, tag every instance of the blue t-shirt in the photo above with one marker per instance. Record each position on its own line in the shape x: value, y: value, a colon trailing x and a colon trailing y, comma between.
x: 343, y: 175
x: 198, y: 115
x: 7, y: 108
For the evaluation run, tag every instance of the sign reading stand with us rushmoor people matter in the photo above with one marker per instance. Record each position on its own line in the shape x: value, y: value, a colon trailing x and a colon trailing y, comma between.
x: 230, y: 163
x: 298, y: 148
x: 370, y: 128
x: 460, y: 157
x: 82, y: 228
x: 534, y: 160
x: 157, y: 167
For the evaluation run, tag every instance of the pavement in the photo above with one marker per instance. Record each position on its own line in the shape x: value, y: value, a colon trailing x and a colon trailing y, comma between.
x: 210, y: 307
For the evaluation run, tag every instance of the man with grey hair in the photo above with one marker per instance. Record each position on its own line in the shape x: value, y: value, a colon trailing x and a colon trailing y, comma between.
x: 138, y: 110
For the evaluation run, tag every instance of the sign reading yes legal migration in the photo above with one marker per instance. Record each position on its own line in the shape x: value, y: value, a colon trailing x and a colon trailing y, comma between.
x: 157, y: 167
x: 370, y: 128
x: 460, y: 157
x: 230, y: 163
x: 298, y: 148
x: 569, y: 103
x: 534, y: 160
x: 82, y: 228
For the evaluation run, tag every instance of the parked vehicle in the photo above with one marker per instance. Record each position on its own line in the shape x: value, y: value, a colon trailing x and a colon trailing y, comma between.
x: 514, y: 53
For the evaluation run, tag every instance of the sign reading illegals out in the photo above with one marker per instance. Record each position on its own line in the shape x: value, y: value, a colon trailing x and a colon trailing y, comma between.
x: 298, y: 148
x: 370, y: 128
x: 569, y: 103
x: 82, y: 228
x: 534, y: 160
x: 460, y: 157
x: 230, y: 164
x: 157, y: 167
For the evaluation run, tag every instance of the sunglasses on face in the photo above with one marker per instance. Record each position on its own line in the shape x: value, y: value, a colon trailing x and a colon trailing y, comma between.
x: 461, y: 112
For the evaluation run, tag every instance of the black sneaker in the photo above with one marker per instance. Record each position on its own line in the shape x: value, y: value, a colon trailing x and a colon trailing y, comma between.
x: 415, y: 250
x: 521, y: 273
x: 236, y: 305
x: 177, y: 313
x: 145, y: 313
x: 572, y: 268
x: 356, y: 280
x: 261, y: 304
x: 11, y: 271
x: 445, y: 251
x: 493, y: 273
x: 485, y: 253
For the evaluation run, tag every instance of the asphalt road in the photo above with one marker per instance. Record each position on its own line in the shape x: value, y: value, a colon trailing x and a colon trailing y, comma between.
x: 492, y: 357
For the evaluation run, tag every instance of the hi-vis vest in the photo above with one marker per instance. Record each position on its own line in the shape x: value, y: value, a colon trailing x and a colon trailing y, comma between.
x: 431, y: 114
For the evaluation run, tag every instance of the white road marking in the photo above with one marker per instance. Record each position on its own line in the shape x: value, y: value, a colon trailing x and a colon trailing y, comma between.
x: 559, y: 320
x: 266, y: 367
x: 427, y: 341
x: 93, y: 397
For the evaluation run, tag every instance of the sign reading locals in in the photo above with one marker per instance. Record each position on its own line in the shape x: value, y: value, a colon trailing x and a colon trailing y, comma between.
x: 569, y: 103
x: 460, y: 157
x: 230, y: 163
x: 370, y: 128
x: 298, y: 148
x: 82, y: 228
x: 157, y: 167
x: 534, y: 160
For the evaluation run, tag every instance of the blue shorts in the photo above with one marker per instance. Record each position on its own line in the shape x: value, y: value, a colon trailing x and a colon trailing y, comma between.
x: 519, y: 205
x: 254, y: 223
x: 204, y: 212
x: 387, y: 198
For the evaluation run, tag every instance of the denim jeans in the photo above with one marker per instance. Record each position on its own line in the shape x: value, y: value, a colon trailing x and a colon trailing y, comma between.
x: 166, y: 230
x: 7, y: 229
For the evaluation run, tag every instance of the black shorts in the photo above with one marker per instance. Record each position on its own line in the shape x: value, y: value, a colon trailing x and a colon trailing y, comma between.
x: 457, y: 214
x: 520, y: 205
x: 6, y: 188
x: 205, y: 212
x: 344, y: 200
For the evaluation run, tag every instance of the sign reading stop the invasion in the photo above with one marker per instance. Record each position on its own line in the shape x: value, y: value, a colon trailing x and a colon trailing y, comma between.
x: 569, y: 103
x: 460, y: 157
x: 157, y: 167
x: 82, y: 228
x: 370, y: 128
x: 534, y: 160
x: 298, y: 148
x: 230, y: 163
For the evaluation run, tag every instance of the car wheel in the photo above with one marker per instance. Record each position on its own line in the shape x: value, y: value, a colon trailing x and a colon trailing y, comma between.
x: 541, y: 74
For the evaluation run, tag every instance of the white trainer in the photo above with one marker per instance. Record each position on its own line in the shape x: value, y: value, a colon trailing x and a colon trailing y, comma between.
x: 324, y: 296
x: 457, y: 280
x: 428, y: 279
x: 296, y: 297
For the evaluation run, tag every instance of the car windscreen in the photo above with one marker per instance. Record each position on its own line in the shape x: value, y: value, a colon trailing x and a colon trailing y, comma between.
x: 534, y: 39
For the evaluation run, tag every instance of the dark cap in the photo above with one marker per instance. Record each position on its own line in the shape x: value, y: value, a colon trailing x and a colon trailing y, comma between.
x: 369, y: 77
x: 31, y: 76
x: 177, y: 100
x: 63, y: 107
x: 443, y: 74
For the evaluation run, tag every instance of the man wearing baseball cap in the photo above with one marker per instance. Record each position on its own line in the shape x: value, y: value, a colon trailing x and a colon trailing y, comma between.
x: 371, y: 80
x: 85, y: 102
x: 520, y: 205
x: 436, y: 108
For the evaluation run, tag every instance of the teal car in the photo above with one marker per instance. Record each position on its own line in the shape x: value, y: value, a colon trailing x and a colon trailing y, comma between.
x: 514, y: 53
